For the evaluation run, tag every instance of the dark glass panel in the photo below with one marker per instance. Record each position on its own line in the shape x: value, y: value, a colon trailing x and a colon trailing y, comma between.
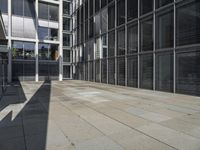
x: 147, y: 35
x: 146, y: 6
x: 120, y: 12
x: 66, y: 72
x: 104, y: 71
x: 121, y: 41
x: 111, y: 71
x: 132, y: 74
x: 4, y: 6
x: 132, y: 39
x: 188, y: 73
x: 111, y: 17
x: 66, y: 55
x: 146, y: 71
x: 160, y: 3
x: 164, y: 72
x: 188, y: 20
x: 17, y: 50
x: 165, y: 30
x: 29, y: 8
x: 43, y: 10
x: 121, y: 71
x: 111, y: 44
x: 132, y: 9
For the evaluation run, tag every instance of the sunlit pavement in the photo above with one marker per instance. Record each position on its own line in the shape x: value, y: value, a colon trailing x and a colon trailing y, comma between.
x: 82, y: 115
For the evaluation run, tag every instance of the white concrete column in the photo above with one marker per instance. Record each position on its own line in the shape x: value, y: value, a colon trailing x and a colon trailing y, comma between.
x: 9, y: 42
x: 61, y: 40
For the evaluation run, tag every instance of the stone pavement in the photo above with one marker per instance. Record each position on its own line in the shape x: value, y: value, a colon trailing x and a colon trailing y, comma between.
x: 79, y: 115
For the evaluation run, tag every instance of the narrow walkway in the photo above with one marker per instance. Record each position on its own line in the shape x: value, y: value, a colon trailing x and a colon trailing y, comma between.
x: 79, y: 115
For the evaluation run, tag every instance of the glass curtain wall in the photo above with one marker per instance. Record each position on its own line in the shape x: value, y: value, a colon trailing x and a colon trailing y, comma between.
x: 141, y: 45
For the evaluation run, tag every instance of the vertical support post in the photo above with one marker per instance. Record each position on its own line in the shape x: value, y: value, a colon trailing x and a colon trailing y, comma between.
x: 174, y: 51
x: 61, y: 40
x: 9, y: 43
x: 36, y: 45
x: 154, y: 47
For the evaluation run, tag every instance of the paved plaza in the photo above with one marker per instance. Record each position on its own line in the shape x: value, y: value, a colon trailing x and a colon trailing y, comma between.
x: 79, y: 115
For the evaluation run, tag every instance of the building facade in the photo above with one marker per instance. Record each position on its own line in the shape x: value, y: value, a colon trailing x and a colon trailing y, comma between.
x: 39, y: 38
x: 149, y: 44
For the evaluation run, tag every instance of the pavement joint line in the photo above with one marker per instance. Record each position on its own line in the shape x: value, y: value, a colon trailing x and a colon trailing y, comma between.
x: 92, y: 125
x: 125, y: 125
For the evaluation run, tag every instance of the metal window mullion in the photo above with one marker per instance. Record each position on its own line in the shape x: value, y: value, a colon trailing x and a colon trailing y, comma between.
x: 154, y: 46
x: 138, y: 56
x: 174, y: 51
x: 126, y: 45
x: 116, y: 70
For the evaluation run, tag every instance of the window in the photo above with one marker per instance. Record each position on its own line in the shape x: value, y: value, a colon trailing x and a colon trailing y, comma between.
x: 43, y: 11
x: 188, y: 73
x: 146, y: 71
x: 66, y: 55
x: 66, y: 39
x: 120, y: 12
x: 53, y: 12
x: 121, y: 71
x: 160, y: 3
x: 4, y: 6
x: 66, y: 8
x: 104, y: 46
x: 97, y: 71
x: 147, y: 35
x: 17, y: 50
x: 104, y: 21
x: 17, y: 7
x: 29, y: 8
x: 97, y: 24
x: 104, y: 70
x: 97, y: 5
x: 111, y: 44
x: 91, y: 10
x: 132, y: 74
x: 48, y: 11
x: 164, y: 72
x: 188, y: 29
x: 103, y: 3
x: 111, y: 71
x: 23, y: 50
x: 53, y: 34
x: 91, y: 27
x: 66, y: 72
x: 111, y: 17
x: 43, y: 51
x: 29, y: 50
x: 86, y: 9
x: 132, y: 39
x: 48, y: 51
x: 165, y: 30
x: 66, y: 24
x: 53, y: 52
x: 146, y: 6
x: 132, y: 9
x: 121, y: 41
x: 43, y: 33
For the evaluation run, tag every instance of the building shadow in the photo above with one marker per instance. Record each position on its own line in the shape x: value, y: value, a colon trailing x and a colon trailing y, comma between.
x: 25, y: 126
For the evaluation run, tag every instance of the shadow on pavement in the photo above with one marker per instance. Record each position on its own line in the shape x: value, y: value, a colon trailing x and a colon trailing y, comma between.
x: 24, y: 122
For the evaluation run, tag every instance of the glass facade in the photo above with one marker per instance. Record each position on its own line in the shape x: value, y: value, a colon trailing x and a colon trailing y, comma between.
x: 152, y: 44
